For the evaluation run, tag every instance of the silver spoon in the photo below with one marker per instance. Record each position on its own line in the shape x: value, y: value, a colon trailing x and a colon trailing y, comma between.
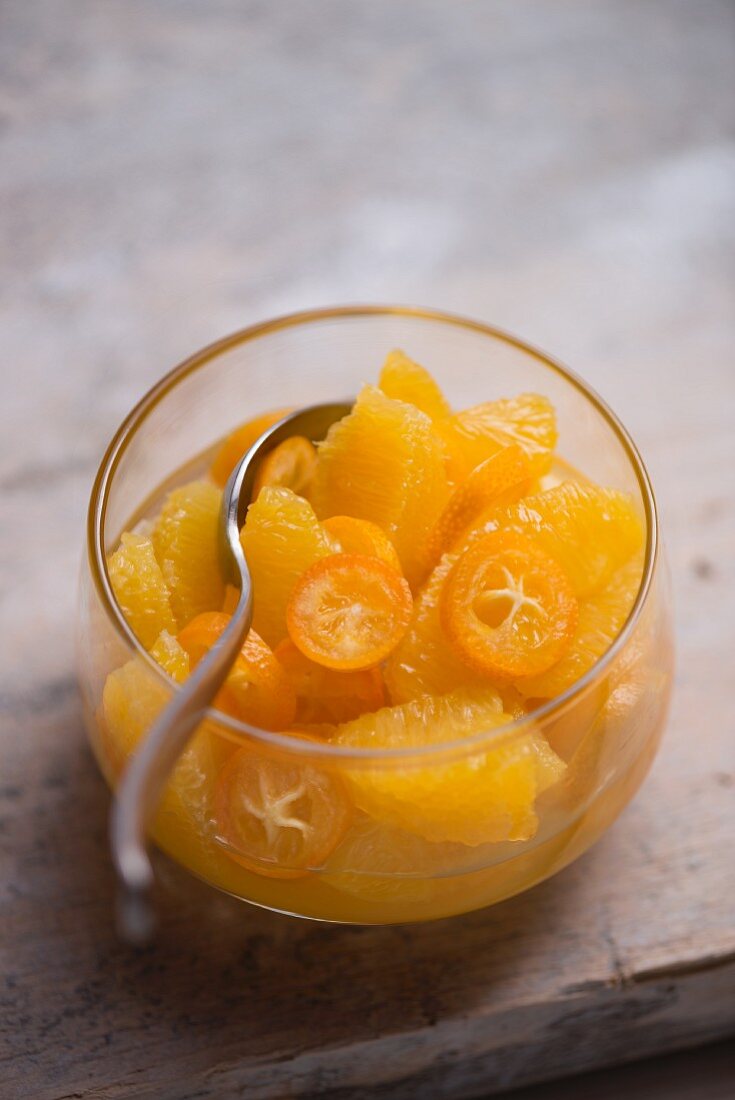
x: 142, y: 785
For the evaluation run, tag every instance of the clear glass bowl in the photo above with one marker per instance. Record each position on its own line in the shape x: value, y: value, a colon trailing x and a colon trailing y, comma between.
x: 607, y: 726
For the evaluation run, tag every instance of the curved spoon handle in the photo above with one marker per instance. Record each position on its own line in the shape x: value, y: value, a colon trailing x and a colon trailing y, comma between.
x: 144, y: 780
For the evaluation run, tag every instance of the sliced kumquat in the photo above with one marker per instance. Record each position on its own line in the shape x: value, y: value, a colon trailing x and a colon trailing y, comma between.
x: 292, y: 465
x: 501, y: 479
x: 508, y: 608
x: 278, y: 815
x: 404, y: 380
x: 325, y: 696
x: 257, y: 690
x: 241, y: 440
x: 349, y: 611
x: 359, y: 536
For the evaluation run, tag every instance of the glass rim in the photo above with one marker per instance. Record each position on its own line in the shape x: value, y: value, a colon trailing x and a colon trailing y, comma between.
x: 326, y: 750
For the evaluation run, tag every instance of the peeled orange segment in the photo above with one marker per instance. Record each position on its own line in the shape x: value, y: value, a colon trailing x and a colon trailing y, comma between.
x: 140, y: 588
x: 424, y: 662
x: 404, y: 380
x: 132, y: 699
x: 588, y: 530
x: 601, y: 618
x: 171, y: 656
x: 292, y: 465
x: 231, y: 599
x: 499, y: 480
x: 257, y: 689
x: 325, y: 696
x: 281, y: 538
x: 186, y: 541
x: 477, y: 798
x: 278, y: 816
x: 240, y: 441
x: 359, y: 536
x: 473, y: 435
x: 507, y: 607
x: 349, y: 611
x: 384, y: 463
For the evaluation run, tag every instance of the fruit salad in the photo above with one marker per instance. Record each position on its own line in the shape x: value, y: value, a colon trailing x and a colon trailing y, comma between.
x: 426, y: 580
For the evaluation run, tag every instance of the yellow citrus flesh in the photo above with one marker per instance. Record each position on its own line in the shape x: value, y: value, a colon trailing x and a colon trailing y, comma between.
x: 384, y: 463
x: 601, y: 618
x: 475, y: 434
x: 485, y: 797
x: 281, y: 539
x: 140, y: 588
x: 588, y: 530
x: 404, y: 380
x: 186, y: 541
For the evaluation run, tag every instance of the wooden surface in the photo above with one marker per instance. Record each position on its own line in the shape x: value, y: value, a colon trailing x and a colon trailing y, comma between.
x: 171, y: 171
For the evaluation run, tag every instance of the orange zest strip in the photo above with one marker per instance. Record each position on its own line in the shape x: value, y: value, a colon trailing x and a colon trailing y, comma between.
x: 507, y: 607
x: 348, y: 611
x: 257, y: 690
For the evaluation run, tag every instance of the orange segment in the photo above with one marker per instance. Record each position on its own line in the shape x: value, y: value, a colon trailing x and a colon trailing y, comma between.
x: 281, y: 538
x: 292, y: 465
x: 404, y: 380
x: 424, y: 662
x: 601, y: 618
x: 257, y: 689
x: 507, y: 607
x: 231, y: 599
x: 278, y: 816
x: 140, y: 588
x: 240, y: 441
x: 325, y: 696
x: 473, y: 435
x: 589, y: 530
x: 384, y: 463
x: 186, y: 541
x: 171, y: 656
x: 359, y: 536
x: 486, y: 797
x: 501, y: 479
x: 349, y: 611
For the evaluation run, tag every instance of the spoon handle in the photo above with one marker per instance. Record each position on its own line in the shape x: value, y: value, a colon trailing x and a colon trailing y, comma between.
x: 144, y: 780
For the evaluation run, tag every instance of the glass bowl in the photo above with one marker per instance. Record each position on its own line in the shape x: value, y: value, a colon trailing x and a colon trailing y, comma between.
x: 606, y: 727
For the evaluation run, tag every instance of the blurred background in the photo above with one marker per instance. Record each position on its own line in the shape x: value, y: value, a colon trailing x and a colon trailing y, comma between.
x: 171, y: 170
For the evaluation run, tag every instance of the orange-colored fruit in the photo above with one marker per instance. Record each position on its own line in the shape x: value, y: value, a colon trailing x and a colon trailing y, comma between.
x: 325, y: 696
x: 257, y: 689
x: 484, y: 797
x: 588, y: 530
x: 507, y: 607
x: 475, y: 434
x: 384, y: 463
x: 186, y: 542
x: 404, y: 380
x: 499, y: 480
x: 349, y: 611
x: 276, y: 815
x: 359, y: 536
x: 292, y: 465
x: 424, y: 662
x: 140, y: 588
x: 171, y: 656
x: 231, y: 599
x: 240, y: 441
x: 281, y: 538
x: 601, y: 618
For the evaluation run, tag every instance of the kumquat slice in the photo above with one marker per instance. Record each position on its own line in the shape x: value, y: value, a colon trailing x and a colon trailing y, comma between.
x: 348, y: 611
x: 291, y: 465
x: 257, y: 689
x: 508, y: 608
x: 276, y: 815
x: 360, y: 536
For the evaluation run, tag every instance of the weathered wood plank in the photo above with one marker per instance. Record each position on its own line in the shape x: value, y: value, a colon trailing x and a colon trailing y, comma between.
x: 565, y: 173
